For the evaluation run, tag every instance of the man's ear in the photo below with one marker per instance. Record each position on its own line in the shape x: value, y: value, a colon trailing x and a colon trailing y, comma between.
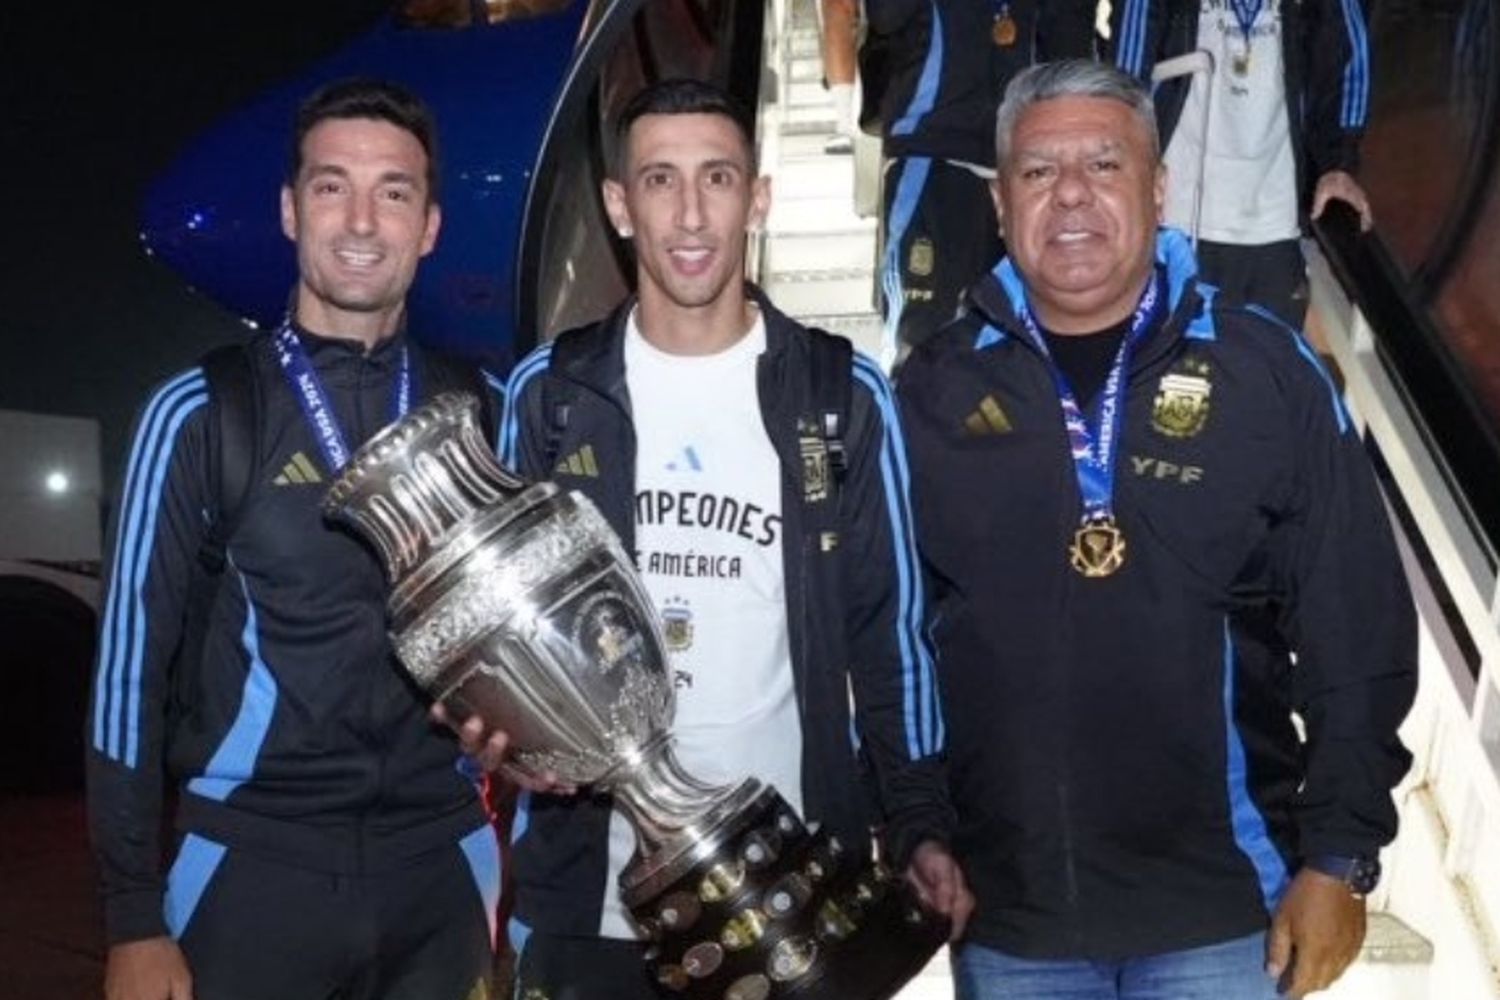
x: 760, y: 203
x: 997, y: 198
x: 615, y: 207
x: 434, y: 225
x: 1159, y: 192
x: 288, y: 213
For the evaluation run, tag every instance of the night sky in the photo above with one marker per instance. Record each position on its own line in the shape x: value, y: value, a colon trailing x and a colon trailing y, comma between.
x: 98, y: 98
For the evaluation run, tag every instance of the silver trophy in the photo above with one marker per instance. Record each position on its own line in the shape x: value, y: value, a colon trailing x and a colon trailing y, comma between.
x: 515, y: 601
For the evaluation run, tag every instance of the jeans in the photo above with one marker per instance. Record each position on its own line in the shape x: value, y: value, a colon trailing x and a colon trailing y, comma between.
x: 1230, y: 970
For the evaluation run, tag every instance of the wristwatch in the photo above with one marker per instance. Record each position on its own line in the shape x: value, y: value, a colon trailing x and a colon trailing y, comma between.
x: 1358, y: 873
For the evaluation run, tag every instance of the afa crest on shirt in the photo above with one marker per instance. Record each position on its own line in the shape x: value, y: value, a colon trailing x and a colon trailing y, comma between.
x: 1182, y: 401
x: 815, y: 463
x: 922, y: 256
x: 677, y: 625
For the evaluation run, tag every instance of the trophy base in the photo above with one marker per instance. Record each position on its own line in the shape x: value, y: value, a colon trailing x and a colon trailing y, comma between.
x: 777, y: 910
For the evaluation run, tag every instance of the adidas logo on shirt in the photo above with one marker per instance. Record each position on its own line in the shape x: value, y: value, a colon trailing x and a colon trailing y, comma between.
x: 298, y: 471
x: 988, y: 418
x: 580, y: 463
x: 687, y: 461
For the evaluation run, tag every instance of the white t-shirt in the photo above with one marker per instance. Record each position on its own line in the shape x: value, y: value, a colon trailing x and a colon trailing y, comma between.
x: 708, y: 544
x: 1251, y: 192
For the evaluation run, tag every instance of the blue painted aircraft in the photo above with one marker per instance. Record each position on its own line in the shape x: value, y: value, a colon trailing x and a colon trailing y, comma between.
x: 524, y: 92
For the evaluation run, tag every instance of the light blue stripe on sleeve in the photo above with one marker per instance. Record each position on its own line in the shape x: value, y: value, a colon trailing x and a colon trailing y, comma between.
x: 106, y: 683
x: 194, y: 868
x: 1311, y: 357
x: 925, y: 97
x: 922, y: 705
x: 116, y: 723
x: 529, y: 367
x: 909, y: 186
x: 1357, y: 71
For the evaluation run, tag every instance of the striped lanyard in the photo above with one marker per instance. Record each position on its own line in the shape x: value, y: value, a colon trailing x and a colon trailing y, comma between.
x: 1245, y: 12
x: 1095, y: 448
x: 316, y: 409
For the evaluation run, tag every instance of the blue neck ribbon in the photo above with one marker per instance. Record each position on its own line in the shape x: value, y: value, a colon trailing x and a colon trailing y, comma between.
x: 1245, y: 12
x: 1095, y: 448
x: 313, y: 399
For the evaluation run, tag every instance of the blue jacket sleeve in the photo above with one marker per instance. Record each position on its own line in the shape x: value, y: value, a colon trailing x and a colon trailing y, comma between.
x: 1348, y: 615
x: 158, y: 524
x: 522, y: 432
x: 898, y: 707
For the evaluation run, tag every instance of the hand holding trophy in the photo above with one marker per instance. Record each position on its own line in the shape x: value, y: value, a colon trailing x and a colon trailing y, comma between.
x: 516, y: 602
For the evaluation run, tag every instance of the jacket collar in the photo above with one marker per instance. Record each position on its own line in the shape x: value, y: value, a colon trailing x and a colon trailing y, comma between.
x: 597, y: 359
x: 998, y: 297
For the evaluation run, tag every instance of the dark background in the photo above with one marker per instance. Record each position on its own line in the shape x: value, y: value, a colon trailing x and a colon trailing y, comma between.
x: 97, y: 98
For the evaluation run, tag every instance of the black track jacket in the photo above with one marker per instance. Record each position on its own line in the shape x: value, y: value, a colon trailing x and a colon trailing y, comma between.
x: 299, y: 736
x: 938, y: 76
x: 854, y: 608
x: 1124, y: 763
x: 1325, y: 51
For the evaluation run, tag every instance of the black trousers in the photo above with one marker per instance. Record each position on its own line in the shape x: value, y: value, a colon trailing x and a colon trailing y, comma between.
x: 554, y: 967
x: 261, y: 929
x: 1272, y: 275
x: 939, y: 234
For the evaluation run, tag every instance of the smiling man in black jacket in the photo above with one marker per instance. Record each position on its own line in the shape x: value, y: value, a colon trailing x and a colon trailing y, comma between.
x: 693, y: 417
x: 330, y: 842
x: 1155, y: 537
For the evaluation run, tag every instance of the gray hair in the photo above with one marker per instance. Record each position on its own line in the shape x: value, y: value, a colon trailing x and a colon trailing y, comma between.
x: 1071, y: 78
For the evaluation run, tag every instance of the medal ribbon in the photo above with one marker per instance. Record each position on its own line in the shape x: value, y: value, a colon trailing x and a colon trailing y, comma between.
x: 1096, y: 448
x: 316, y: 410
x: 1245, y: 12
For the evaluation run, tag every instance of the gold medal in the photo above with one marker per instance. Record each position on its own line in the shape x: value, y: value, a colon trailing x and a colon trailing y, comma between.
x: 1003, y: 31
x: 1241, y: 63
x: 1098, y: 548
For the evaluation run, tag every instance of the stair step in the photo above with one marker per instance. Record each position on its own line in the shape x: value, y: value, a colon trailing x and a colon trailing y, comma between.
x: 820, y: 251
x: 802, y: 42
x: 834, y: 290
x: 808, y: 93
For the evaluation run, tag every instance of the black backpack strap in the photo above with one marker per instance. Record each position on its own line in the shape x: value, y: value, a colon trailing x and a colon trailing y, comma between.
x: 233, y: 444
x: 234, y: 406
x: 449, y: 374
x: 831, y: 369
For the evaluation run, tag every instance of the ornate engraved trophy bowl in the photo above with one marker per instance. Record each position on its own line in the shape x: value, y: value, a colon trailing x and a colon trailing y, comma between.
x: 516, y: 602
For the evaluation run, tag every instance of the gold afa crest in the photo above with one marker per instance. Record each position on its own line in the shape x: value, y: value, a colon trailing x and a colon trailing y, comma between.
x: 1181, y: 407
x: 814, y: 450
x: 920, y: 261
x: 677, y: 627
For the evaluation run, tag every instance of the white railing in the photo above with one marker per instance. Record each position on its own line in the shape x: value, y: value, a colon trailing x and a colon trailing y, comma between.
x: 1443, y: 872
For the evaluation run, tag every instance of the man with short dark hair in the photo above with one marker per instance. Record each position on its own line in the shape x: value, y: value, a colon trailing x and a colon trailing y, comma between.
x: 332, y: 845
x: 1122, y: 489
x: 691, y: 416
